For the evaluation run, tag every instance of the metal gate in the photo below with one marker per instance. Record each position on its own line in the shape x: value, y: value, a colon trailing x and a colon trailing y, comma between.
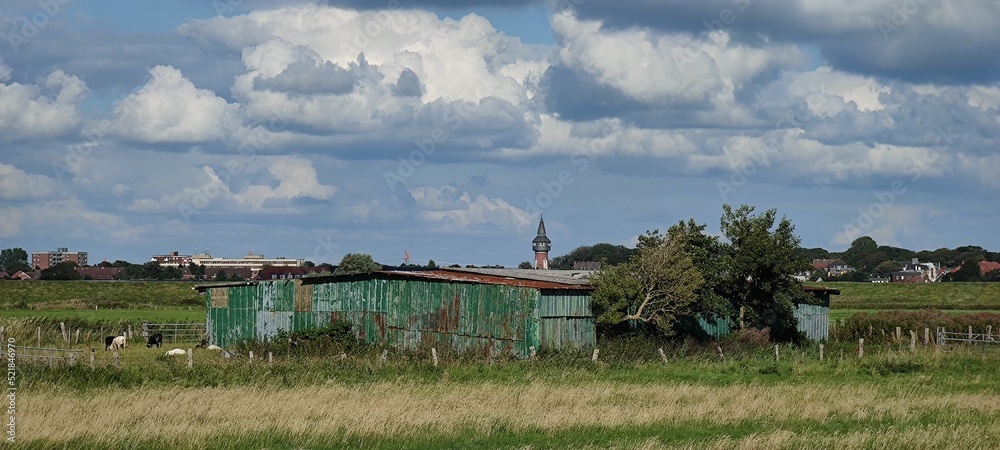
x: 968, y: 339
x: 175, y: 332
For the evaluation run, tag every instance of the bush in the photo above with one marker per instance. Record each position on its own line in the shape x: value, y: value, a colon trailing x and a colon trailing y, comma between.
x: 870, y: 326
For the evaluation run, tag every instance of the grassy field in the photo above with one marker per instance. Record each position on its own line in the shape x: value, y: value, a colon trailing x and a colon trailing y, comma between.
x: 889, y: 399
x: 138, y: 315
x: 960, y: 296
x: 37, y: 294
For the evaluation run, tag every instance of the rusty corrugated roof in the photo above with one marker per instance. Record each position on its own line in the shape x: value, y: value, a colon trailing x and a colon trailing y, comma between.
x: 821, y: 289
x: 461, y: 277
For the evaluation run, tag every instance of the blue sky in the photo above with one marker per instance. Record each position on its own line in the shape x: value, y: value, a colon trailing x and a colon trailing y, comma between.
x: 313, y: 129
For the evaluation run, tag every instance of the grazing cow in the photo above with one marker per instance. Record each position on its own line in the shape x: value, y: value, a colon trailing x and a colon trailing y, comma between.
x: 107, y: 342
x: 156, y: 339
x: 202, y: 344
x: 118, y: 343
x: 176, y: 352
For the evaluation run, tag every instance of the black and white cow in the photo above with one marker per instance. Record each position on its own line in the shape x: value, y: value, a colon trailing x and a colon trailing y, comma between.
x: 108, y: 341
x: 156, y: 339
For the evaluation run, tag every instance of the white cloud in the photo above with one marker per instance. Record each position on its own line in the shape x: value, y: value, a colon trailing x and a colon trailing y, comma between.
x: 446, y: 208
x: 69, y: 219
x: 29, y: 111
x: 666, y: 68
x: 18, y: 185
x: 296, y: 179
x: 169, y: 108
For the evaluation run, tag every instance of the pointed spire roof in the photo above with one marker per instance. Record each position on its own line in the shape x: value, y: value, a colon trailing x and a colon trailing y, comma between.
x: 541, y: 237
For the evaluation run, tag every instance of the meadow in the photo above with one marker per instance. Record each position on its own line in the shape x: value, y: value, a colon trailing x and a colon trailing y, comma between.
x: 629, y: 398
x: 890, y: 398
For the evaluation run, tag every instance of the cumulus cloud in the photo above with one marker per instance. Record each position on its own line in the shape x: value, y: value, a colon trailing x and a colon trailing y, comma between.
x: 445, y: 208
x: 169, y: 108
x: 45, y: 110
x: 18, y: 185
x: 911, y: 40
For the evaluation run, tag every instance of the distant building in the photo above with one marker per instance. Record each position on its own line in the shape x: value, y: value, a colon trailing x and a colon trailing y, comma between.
x: 99, y: 273
x: 906, y: 276
x: 249, y: 261
x: 832, y: 267
x: 285, y: 273
x: 44, y: 260
x: 587, y: 265
x: 878, y: 280
x: 929, y: 272
x: 986, y: 267
x: 173, y: 259
x: 541, y: 245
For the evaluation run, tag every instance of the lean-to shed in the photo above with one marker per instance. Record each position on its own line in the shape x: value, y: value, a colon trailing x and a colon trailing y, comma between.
x: 410, y: 310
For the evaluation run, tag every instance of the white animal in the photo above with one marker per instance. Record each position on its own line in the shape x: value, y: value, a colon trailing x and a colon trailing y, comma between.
x: 176, y: 352
x: 118, y: 343
x: 214, y: 347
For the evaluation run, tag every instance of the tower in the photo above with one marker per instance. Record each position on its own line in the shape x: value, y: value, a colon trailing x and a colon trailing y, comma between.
x: 541, y: 245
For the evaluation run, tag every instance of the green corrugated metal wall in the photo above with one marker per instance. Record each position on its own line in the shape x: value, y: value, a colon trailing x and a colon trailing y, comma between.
x: 814, y: 321
x: 566, y: 320
x: 409, y: 313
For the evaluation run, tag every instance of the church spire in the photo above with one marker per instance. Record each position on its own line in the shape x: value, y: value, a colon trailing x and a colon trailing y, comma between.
x: 541, y: 245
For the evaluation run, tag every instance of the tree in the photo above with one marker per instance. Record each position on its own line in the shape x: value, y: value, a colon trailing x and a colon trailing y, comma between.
x: 525, y: 265
x: 65, y: 270
x: 431, y: 264
x: 886, y: 268
x: 357, y: 263
x: 657, y: 286
x: 605, y: 253
x: 968, y: 271
x: 197, y: 270
x: 221, y: 276
x: 14, y: 259
x: 120, y: 263
x: 706, y: 252
x: 758, y: 268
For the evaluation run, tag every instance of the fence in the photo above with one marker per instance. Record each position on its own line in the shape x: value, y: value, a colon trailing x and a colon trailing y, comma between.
x: 968, y: 338
x: 52, y: 355
x: 175, y: 332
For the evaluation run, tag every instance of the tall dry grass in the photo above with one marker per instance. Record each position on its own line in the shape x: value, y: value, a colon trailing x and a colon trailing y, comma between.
x: 400, y: 409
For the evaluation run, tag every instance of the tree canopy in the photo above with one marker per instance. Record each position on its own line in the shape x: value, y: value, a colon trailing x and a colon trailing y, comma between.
x: 356, y: 263
x: 608, y: 254
x: 13, y: 260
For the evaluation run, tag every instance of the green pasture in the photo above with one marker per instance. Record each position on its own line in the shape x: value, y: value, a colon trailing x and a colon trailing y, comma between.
x: 957, y: 296
x: 39, y: 294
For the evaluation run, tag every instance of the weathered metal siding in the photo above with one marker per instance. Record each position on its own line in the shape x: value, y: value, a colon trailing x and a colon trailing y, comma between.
x: 814, y: 321
x: 404, y: 313
x: 716, y: 327
x: 566, y: 320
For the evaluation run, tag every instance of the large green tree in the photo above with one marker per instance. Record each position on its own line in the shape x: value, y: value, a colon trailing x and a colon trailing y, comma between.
x: 65, y: 270
x: 757, y: 269
x: 605, y: 253
x: 13, y: 260
x: 656, y: 286
x: 356, y: 263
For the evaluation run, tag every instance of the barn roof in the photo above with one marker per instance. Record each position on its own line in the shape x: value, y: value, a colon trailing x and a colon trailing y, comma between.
x: 435, y: 275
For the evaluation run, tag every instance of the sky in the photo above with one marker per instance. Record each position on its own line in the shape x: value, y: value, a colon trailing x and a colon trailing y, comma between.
x: 444, y: 128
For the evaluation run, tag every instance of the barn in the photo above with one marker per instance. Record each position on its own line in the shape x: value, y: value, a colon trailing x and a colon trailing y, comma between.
x: 410, y: 309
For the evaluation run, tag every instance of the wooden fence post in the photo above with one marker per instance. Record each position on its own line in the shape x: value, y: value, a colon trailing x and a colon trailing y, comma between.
x: 3, y: 338
x: 970, y: 332
x: 38, y: 331
x: 77, y: 336
x: 927, y: 336
x: 270, y: 357
x: 820, y: 352
x: 381, y: 359
x: 913, y: 341
x: 434, y: 356
x: 115, y: 356
x: 251, y: 356
x: 663, y: 356
x: 594, y: 358
x: 191, y: 358
x: 531, y: 352
x: 62, y: 329
x: 775, y: 352
x: 91, y: 358
x: 721, y: 355
x: 129, y: 331
x: 861, y: 347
